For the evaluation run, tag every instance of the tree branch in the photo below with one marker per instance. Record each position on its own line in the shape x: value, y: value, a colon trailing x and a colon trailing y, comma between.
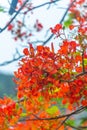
x: 61, y: 21
x: 44, y: 42
x: 80, y: 109
x: 74, y: 77
x: 77, y: 128
x: 62, y: 122
x: 11, y: 61
x: 47, y: 3
x: 2, y: 29
x: 17, y: 12
x: 83, y: 67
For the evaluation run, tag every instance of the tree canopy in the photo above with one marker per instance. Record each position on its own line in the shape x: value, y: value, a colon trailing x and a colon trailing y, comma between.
x: 51, y: 84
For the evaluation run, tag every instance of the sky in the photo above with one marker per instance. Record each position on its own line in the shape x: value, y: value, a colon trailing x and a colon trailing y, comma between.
x: 8, y: 45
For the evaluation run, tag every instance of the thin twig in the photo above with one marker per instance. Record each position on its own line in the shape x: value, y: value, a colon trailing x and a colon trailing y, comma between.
x: 11, y: 61
x: 72, y: 126
x: 83, y: 67
x: 74, y: 77
x: 80, y: 109
x: 2, y: 29
x: 47, y: 3
x: 44, y: 42
x: 61, y: 21
x: 62, y: 123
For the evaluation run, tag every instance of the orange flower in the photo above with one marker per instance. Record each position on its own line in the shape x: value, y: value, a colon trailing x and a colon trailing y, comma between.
x: 56, y: 29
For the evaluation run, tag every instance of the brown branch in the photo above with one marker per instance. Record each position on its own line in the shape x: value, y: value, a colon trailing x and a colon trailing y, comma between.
x: 74, y: 77
x: 61, y: 21
x: 83, y: 67
x: 2, y: 29
x: 77, y: 128
x: 11, y: 61
x: 17, y: 12
x: 43, y: 42
x: 73, y: 126
x: 82, y: 127
x: 80, y: 109
x: 62, y: 122
x: 44, y: 4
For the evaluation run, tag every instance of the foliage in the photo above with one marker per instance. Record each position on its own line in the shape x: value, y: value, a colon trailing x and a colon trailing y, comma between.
x: 1, y: 9
x: 51, y: 85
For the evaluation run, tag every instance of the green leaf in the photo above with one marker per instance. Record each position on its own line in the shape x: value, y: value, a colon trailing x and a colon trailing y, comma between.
x: 67, y: 23
x: 64, y: 70
x: 71, y: 122
x: 85, y: 61
x: 77, y: 53
x: 52, y: 110
x: 69, y: 20
x: 41, y: 98
x: 23, y: 114
x: 1, y: 9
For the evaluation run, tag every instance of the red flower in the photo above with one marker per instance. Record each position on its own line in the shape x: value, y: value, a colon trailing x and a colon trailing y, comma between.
x: 56, y: 28
x: 71, y: 27
x: 10, y: 27
x: 20, y: 1
x: 38, y: 25
x: 25, y: 51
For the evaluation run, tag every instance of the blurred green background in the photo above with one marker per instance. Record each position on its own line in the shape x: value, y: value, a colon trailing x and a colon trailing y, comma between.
x: 7, y: 86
